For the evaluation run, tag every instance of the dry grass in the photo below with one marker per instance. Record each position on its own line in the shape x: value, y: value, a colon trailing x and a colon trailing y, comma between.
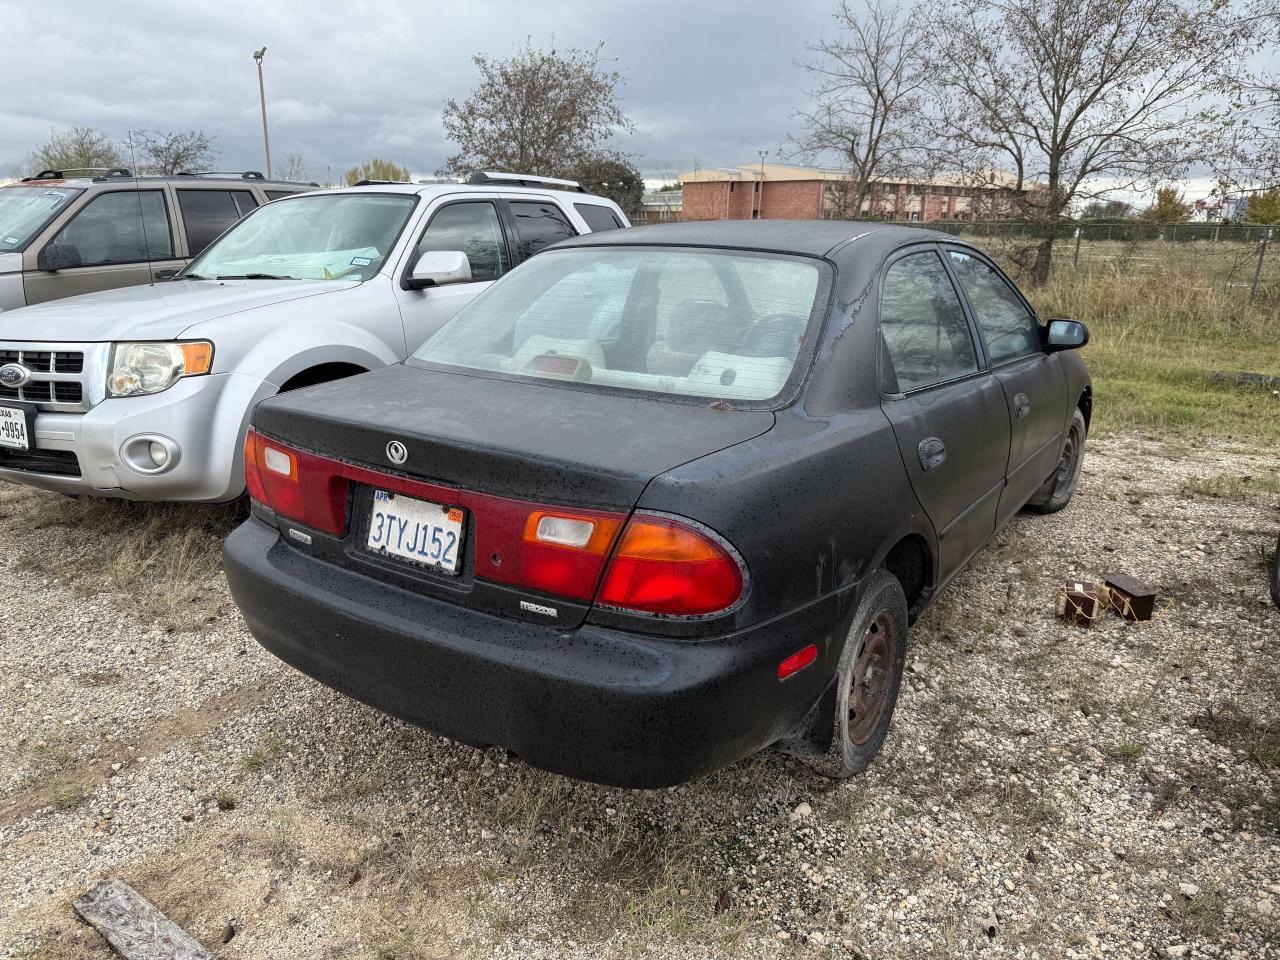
x: 1161, y: 321
x: 166, y: 557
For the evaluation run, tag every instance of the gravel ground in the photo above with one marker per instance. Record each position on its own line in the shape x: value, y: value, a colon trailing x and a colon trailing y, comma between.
x: 1046, y: 791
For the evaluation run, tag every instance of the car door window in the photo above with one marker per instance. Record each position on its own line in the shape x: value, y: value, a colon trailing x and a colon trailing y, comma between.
x: 539, y: 225
x: 277, y: 194
x: 1008, y: 328
x: 207, y: 213
x: 925, y: 337
x: 472, y: 227
x: 125, y: 226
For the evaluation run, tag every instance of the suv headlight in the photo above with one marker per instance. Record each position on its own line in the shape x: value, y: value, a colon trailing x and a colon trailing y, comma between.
x: 139, y: 369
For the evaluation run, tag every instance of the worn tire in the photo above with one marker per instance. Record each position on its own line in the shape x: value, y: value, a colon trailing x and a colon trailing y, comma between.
x: 1275, y: 576
x: 1058, y: 490
x: 874, y: 654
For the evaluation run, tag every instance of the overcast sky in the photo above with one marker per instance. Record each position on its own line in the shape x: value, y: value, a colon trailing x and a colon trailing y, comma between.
x: 705, y: 82
x: 347, y: 81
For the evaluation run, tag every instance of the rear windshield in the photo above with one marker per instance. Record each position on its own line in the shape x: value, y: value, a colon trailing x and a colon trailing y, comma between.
x: 25, y: 210
x: 693, y: 323
x: 344, y: 236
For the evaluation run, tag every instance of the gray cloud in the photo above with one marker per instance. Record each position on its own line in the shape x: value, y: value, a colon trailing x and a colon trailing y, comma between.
x: 347, y: 81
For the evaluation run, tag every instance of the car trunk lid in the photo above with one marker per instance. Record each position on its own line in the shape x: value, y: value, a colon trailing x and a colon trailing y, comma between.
x: 500, y: 451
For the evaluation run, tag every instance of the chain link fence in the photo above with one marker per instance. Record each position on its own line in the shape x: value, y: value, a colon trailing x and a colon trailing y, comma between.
x: 1241, y: 258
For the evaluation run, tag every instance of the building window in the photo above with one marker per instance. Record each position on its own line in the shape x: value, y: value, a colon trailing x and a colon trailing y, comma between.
x: 731, y: 186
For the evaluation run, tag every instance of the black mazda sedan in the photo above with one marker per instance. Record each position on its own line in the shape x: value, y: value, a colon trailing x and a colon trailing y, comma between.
x: 660, y: 498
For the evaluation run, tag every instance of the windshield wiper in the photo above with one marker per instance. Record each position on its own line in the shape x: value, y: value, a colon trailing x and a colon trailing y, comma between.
x: 190, y: 276
x: 255, y: 276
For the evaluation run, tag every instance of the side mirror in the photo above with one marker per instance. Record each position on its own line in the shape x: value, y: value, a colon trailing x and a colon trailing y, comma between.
x: 438, y: 267
x: 1065, y: 335
x: 57, y: 256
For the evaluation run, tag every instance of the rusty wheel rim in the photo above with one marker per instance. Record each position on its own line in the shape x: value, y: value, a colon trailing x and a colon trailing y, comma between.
x: 870, y: 686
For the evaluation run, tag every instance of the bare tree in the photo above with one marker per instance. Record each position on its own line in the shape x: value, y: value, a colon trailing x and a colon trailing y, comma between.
x: 1253, y: 155
x: 1071, y: 94
x: 175, y: 151
x: 75, y: 148
x: 295, y: 168
x: 865, y: 110
x: 538, y: 112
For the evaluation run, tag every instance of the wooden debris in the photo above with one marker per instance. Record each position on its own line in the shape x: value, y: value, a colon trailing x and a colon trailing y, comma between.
x: 1130, y: 597
x: 1078, y: 603
x: 134, y: 927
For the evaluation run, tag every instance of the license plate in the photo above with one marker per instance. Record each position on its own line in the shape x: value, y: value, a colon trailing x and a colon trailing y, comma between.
x: 419, y: 531
x: 13, y: 428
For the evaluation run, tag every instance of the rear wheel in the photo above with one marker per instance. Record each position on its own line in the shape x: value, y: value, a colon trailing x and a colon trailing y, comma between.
x: 1061, y: 487
x: 867, y: 679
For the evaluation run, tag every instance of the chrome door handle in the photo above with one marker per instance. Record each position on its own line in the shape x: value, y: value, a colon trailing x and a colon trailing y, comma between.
x: 932, y: 453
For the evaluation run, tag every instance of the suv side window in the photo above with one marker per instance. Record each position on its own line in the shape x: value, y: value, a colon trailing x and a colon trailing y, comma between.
x: 472, y: 227
x: 925, y: 337
x: 598, y: 218
x: 1007, y: 326
x: 538, y: 224
x: 123, y: 226
x: 206, y: 213
x: 277, y: 194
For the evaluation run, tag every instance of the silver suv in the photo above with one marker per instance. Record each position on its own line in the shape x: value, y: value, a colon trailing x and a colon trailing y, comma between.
x: 63, y: 234
x: 145, y: 393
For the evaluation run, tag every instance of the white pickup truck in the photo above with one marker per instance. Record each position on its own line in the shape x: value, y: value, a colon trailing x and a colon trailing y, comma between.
x: 145, y: 392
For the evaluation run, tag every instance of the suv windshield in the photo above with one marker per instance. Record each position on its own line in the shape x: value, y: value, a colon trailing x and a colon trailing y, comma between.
x: 25, y: 210
x: 337, y: 237
x: 686, y: 322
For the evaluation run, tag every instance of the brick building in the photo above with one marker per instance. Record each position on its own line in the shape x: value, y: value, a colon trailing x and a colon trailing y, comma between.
x: 785, y: 191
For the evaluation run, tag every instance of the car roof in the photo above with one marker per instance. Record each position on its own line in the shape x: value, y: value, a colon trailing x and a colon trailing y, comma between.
x: 816, y: 238
x: 178, y: 178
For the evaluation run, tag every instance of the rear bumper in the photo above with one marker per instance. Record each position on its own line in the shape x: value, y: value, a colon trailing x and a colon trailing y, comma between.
x: 593, y: 703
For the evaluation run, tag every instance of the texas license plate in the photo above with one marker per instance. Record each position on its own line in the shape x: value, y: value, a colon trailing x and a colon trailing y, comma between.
x: 13, y: 428
x: 428, y: 534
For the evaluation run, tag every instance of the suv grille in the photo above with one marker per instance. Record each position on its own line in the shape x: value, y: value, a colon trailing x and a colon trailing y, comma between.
x: 62, y: 463
x: 57, y: 376
x: 45, y: 361
x: 44, y: 391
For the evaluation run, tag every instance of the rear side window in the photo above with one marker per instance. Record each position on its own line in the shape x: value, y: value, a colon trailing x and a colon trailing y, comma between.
x: 206, y: 213
x: 473, y: 228
x: 125, y: 226
x: 924, y: 334
x: 539, y: 225
x: 277, y: 194
x: 598, y: 218
x: 1007, y: 326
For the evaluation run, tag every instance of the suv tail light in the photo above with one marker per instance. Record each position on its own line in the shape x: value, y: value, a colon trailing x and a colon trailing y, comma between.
x: 666, y: 566
x: 295, y: 484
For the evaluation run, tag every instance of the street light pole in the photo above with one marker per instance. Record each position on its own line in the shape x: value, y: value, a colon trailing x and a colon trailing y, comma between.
x: 262, y: 98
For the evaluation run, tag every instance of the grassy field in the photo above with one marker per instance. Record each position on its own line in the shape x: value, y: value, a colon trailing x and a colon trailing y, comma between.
x: 1162, y: 323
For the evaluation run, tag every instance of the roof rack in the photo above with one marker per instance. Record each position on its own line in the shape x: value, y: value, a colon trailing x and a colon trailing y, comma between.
x: 525, y: 180
x: 242, y: 174
x: 62, y: 174
x: 378, y: 183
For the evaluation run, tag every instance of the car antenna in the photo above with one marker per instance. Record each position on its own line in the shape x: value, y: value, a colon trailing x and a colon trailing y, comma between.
x: 142, y: 220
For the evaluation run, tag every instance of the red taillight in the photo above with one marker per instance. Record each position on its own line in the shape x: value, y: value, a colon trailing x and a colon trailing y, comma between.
x: 295, y: 484
x: 668, y: 567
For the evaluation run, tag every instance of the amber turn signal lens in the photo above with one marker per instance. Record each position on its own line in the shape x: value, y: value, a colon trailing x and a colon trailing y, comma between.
x: 197, y: 357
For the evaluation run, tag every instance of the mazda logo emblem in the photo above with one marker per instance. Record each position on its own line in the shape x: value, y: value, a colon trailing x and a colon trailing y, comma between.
x: 14, y: 375
x: 397, y: 452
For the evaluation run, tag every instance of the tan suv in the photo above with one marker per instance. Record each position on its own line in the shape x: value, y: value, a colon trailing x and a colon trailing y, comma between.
x: 64, y: 233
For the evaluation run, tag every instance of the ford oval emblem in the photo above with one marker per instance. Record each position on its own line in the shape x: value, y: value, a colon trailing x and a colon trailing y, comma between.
x: 397, y: 453
x: 14, y: 375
